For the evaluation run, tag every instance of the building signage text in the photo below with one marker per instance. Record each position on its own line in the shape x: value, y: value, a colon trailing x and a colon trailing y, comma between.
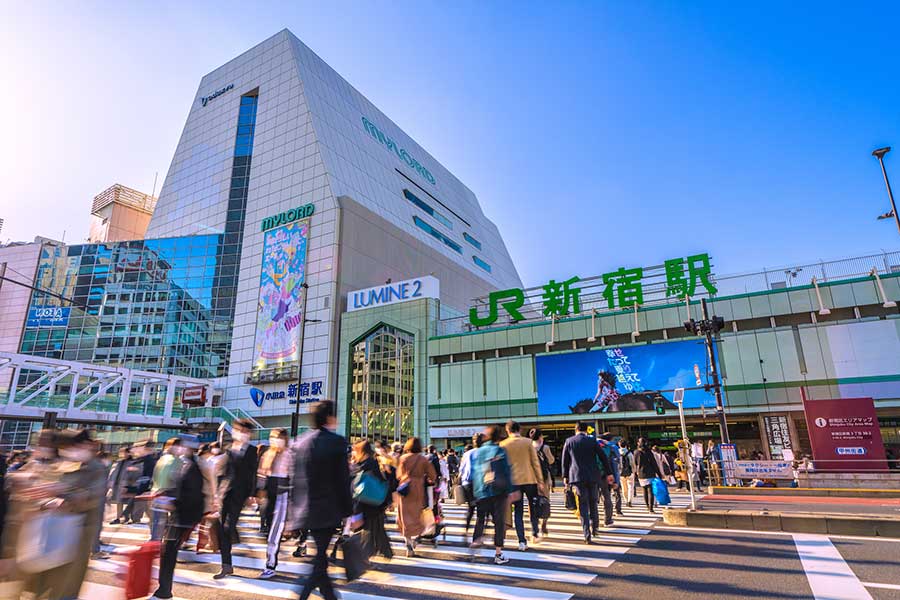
x: 48, y: 316
x: 622, y: 288
x: 294, y: 214
x: 392, y: 293
x: 308, y: 392
x: 216, y: 94
x: 402, y: 154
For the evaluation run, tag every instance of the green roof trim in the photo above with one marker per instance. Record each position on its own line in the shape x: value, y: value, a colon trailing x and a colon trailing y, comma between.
x: 812, y: 382
x: 482, y: 403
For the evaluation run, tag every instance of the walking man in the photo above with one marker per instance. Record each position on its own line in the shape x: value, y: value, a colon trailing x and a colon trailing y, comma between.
x: 581, y: 467
x: 238, y: 484
x: 321, y: 496
x: 527, y: 480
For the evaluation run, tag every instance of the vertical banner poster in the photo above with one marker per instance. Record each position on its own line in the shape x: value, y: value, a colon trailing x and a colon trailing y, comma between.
x: 845, y: 435
x: 778, y: 433
x: 279, y: 312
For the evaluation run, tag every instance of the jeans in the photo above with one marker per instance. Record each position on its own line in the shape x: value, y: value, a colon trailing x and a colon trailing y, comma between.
x: 279, y: 515
x: 159, y: 518
x: 496, y: 507
x: 617, y: 496
x: 587, y: 507
x: 607, y: 501
x: 529, y: 491
x: 167, y: 559
x: 319, y: 576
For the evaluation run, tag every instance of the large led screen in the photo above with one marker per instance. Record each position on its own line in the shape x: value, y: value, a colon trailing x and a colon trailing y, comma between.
x: 279, y: 312
x: 627, y: 378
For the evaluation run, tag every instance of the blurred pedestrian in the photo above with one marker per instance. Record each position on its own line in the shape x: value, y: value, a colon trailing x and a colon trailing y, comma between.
x: 527, y: 480
x: 321, y: 496
x: 238, y: 484
x: 163, y: 482
x: 412, y: 473
x: 276, y: 464
x: 375, y: 538
x: 465, y: 477
x: 646, y: 468
x: 583, y: 466
x: 185, y: 507
x: 121, y: 482
x: 545, y: 458
x: 491, y: 485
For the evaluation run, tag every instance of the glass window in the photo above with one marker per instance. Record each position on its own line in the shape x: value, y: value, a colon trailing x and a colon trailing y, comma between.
x: 471, y: 240
x: 482, y: 264
x: 428, y: 209
x: 436, y: 234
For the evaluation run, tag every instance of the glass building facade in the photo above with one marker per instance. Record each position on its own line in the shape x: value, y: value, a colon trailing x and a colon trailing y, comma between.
x: 146, y: 304
x: 382, y: 401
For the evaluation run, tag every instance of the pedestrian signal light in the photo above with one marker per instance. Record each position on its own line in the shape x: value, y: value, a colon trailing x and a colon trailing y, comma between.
x: 660, y: 407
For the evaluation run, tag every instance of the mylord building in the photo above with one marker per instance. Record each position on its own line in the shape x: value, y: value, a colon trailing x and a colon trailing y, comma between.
x: 288, y: 189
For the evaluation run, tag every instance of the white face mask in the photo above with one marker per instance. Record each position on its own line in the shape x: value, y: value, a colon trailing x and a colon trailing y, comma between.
x: 240, y: 437
x: 77, y: 454
x: 276, y: 442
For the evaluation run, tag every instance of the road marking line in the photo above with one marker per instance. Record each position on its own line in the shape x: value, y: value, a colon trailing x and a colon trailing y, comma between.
x: 884, y: 586
x: 829, y: 575
x: 500, y: 591
x: 862, y: 538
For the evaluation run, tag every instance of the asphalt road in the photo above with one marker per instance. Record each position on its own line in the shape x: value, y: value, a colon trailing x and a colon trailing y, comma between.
x: 641, y: 559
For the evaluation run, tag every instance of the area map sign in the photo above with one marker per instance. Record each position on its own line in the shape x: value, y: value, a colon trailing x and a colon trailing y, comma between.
x: 623, y: 288
x: 626, y: 378
x: 845, y: 435
x: 279, y: 312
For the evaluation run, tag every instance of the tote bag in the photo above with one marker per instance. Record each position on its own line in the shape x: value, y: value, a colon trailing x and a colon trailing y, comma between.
x: 48, y: 540
x: 660, y: 491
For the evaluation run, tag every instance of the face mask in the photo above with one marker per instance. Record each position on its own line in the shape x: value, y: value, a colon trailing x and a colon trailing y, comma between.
x: 76, y: 454
x: 276, y: 442
x: 240, y: 437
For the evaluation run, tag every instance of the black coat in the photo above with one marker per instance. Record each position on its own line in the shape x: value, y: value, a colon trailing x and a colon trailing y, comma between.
x: 321, y: 496
x: 240, y: 475
x: 188, y: 494
x: 582, y: 458
x: 645, y: 464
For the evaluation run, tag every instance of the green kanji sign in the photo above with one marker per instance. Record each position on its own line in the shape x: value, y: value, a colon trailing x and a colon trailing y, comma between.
x: 622, y: 288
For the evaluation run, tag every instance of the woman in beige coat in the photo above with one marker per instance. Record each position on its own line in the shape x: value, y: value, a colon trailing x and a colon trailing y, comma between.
x: 414, y: 469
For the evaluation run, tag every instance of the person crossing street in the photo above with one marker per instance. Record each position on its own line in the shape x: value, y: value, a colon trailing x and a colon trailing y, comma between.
x: 582, y: 461
x: 527, y: 480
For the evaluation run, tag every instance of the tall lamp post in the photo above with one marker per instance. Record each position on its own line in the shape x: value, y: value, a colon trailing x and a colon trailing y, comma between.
x: 707, y: 327
x: 295, y: 418
x: 879, y: 154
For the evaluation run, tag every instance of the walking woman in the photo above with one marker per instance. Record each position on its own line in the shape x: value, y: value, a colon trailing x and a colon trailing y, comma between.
x: 375, y: 538
x: 465, y: 477
x: 647, y: 468
x: 411, y: 474
x: 491, y: 485
x: 276, y: 464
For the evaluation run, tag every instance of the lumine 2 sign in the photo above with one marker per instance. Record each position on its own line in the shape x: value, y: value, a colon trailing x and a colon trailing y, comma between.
x: 622, y: 288
x: 294, y: 214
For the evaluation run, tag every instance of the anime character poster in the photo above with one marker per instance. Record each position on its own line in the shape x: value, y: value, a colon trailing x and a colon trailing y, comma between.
x: 279, y: 312
x: 626, y: 378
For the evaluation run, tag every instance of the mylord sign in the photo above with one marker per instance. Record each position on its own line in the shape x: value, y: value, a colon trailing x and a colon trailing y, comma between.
x: 393, y: 293
x: 401, y: 153
x: 216, y: 94
x: 288, y: 216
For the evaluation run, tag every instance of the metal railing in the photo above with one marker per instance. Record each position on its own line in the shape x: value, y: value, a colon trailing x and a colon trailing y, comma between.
x: 655, y: 288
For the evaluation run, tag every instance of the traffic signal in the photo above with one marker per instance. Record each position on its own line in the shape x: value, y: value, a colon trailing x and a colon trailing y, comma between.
x: 660, y: 407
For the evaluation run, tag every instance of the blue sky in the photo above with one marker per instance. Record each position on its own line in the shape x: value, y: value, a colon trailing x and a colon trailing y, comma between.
x: 596, y: 135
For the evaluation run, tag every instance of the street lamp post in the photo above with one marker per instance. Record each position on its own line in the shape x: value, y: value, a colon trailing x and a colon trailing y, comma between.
x: 707, y: 327
x: 685, y: 446
x: 879, y: 154
x: 295, y: 418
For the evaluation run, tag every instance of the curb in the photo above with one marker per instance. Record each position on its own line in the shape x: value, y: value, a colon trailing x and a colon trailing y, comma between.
x: 826, y: 492
x: 787, y: 522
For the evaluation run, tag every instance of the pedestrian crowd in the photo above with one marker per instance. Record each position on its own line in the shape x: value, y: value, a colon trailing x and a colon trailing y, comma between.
x: 316, y: 488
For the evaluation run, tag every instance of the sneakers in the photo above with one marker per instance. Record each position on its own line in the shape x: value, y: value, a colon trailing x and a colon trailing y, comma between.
x: 500, y: 559
x: 225, y: 572
x: 267, y: 574
x: 536, y: 539
x: 300, y: 551
x: 115, y: 522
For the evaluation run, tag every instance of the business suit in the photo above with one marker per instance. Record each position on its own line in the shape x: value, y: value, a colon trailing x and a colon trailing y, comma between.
x: 321, y: 498
x: 582, y: 460
x: 237, y: 485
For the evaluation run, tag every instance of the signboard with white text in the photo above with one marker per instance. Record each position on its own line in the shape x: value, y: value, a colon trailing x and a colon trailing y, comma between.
x: 393, y: 293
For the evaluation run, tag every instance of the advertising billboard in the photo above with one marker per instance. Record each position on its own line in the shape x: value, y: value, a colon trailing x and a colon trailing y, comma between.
x: 279, y: 312
x: 627, y: 378
x: 845, y: 435
x: 48, y: 316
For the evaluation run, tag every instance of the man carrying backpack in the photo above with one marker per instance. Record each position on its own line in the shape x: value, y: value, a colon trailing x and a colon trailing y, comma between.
x: 491, y: 483
x: 612, y: 453
x: 626, y: 474
x: 584, y: 466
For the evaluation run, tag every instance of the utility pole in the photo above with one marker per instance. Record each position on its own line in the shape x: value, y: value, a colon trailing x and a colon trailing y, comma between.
x: 707, y: 327
x: 295, y: 418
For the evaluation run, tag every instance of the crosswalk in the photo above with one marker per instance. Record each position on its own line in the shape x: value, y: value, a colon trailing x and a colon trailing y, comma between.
x: 558, y: 568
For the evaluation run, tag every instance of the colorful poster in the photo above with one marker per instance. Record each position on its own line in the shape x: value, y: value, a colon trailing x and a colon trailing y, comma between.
x: 627, y: 378
x: 845, y: 435
x: 279, y: 312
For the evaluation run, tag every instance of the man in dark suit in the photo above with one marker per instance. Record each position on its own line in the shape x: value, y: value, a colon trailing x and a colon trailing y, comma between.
x: 321, y: 496
x: 236, y: 486
x: 582, y: 461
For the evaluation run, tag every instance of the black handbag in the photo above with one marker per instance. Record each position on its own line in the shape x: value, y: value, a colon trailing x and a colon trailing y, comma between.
x: 543, y: 509
x: 571, y: 504
x: 355, y: 561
